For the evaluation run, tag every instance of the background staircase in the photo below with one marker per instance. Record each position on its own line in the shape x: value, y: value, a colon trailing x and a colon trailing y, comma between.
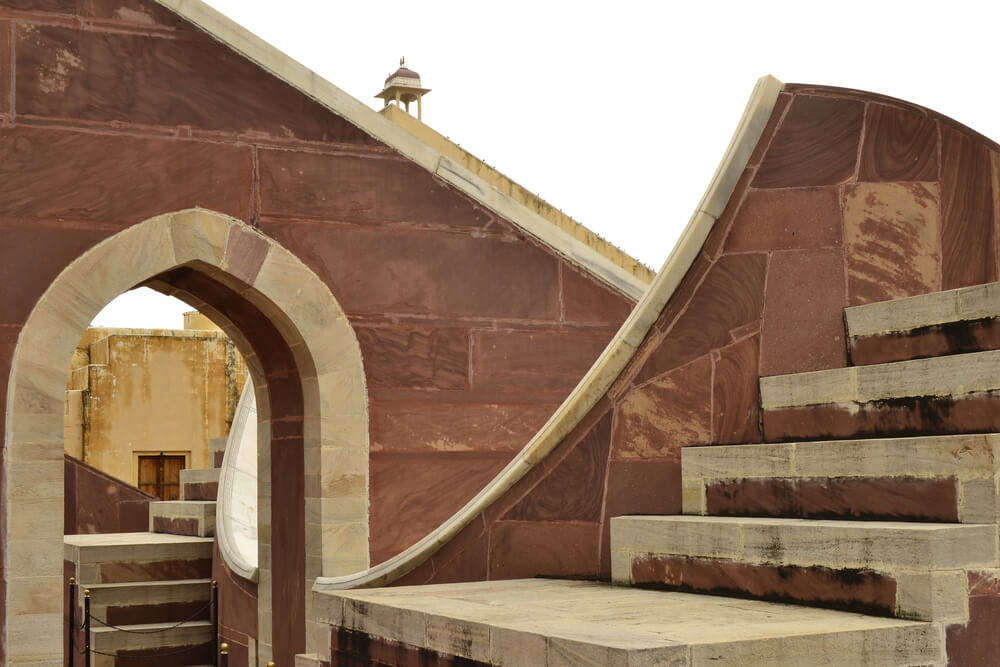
x: 155, y: 586
x: 876, y: 496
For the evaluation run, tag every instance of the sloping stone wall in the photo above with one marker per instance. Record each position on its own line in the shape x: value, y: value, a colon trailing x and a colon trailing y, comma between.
x: 99, y: 503
x: 849, y: 198
x: 114, y: 111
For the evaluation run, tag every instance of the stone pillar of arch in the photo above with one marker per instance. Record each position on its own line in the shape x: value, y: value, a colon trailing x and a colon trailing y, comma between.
x: 312, y: 406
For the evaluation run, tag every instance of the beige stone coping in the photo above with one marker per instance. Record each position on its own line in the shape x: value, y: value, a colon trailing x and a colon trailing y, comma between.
x: 935, y: 376
x: 885, y: 546
x: 613, y: 359
x: 539, y: 622
x: 516, y: 191
x: 370, y: 121
x: 973, y: 460
x: 899, y: 315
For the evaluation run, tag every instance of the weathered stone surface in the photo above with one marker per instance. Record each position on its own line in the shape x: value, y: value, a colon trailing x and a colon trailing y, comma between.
x: 48, y: 174
x: 893, y: 240
x: 77, y: 74
x: 899, y: 145
x: 58, y: 6
x: 638, y: 487
x: 533, y: 361
x: 24, y: 277
x: 583, y: 623
x: 787, y: 220
x: 731, y: 296
x: 976, y: 642
x: 816, y: 144
x: 570, y: 491
x: 658, y: 419
x: 977, y: 413
x: 884, y: 546
x: 455, y: 427
x: 97, y: 503
x: 536, y: 548
x: 132, y: 12
x: 968, y: 218
x: 411, y: 494
x: 933, y: 341
x: 736, y: 393
x: 890, y: 498
x: 363, y: 188
x: 245, y: 253
x: 426, y: 273
x: 155, y: 570
x: 803, y: 321
x: 415, y: 356
x: 859, y: 591
x: 4, y: 69
x: 586, y: 301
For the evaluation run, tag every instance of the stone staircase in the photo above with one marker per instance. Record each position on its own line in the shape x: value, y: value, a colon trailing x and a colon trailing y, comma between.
x: 154, y: 587
x: 855, y: 536
x: 194, y: 513
x: 143, y: 583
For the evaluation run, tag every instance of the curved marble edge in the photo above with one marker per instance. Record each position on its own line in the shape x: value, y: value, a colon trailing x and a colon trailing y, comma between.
x: 613, y: 359
x: 266, y: 56
x: 232, y: 556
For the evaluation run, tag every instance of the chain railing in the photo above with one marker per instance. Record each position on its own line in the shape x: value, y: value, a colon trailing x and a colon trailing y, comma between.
x: 87, y: 650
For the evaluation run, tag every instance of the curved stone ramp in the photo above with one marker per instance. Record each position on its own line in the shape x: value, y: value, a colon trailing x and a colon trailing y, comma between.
x: 612, y: 361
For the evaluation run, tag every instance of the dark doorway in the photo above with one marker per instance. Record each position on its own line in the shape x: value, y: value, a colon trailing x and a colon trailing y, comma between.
x: 160, y: 475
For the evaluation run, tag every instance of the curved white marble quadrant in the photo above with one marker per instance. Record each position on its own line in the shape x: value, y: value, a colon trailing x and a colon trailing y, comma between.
x: 236, y: 507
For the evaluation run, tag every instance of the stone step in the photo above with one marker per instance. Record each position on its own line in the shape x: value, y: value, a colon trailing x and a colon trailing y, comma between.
x: 941, y: 395
x: 928, y: 478
x: 200, y: 484
x: 908, y: 570
x: 129, y: 603
x: 955, y: 321
x: 133, y: 557
x: 186, y: 644
x: 217, y: 448
x: 553, y: 622
x: 183, y: 517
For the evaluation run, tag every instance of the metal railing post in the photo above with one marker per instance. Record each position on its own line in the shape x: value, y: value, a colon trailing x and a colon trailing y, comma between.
x: 72, y: 620
x: 86, y: 627
x: 224, y: 655
x: 215, y: 616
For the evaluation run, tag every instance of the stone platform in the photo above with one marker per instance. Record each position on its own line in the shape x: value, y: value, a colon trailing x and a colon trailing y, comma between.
x: 559, y: 622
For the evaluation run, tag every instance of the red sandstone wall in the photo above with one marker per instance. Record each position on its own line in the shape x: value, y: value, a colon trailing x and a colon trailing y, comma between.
x: 112, y: 111
x: 99, y: 503
x: 849, y: 198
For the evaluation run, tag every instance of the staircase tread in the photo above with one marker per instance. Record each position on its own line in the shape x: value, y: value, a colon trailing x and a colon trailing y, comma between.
x: 913, y: 526
x: 130, y: 539
x: 162, y: 582
x: 652, y: 624
x: 182, y: 502
x: 913, y: 312
x: 152, y: 626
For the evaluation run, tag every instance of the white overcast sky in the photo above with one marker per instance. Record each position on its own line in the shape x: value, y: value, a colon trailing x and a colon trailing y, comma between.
x: 619, y: 112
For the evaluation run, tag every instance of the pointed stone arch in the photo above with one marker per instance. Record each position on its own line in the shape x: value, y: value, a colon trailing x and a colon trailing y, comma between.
x: 305, y: 360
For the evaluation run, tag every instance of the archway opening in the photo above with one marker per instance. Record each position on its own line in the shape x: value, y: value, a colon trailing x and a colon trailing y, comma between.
x: 306, y: 368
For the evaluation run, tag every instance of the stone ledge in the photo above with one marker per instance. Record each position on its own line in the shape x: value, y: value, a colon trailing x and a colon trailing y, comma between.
x: 540, y: 621
x: 915, y: 312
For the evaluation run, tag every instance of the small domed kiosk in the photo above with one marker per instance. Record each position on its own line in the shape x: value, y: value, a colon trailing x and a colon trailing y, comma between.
x: 403, y: 87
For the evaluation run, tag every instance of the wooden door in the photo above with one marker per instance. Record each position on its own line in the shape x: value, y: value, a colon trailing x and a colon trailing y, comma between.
x: 160, y: 475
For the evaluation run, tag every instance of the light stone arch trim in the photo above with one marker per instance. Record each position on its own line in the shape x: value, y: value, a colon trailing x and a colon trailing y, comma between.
x: 612, y: 361
x: 335, y: 425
